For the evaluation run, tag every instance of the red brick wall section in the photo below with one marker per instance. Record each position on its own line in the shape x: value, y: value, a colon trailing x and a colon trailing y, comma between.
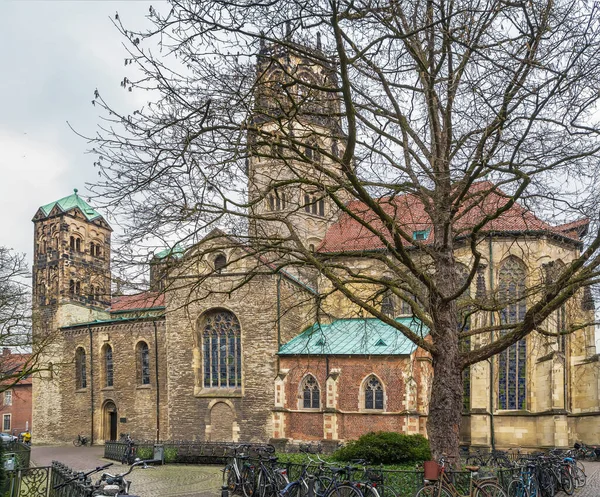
x: 20, y: 410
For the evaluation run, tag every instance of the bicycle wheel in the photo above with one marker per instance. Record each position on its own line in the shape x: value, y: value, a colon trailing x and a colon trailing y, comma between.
x: 322, y: 484
x: 230, y: 478
x: 368, y: 490
x: 77, y: 442
x: 474, y: 461
x: 566, y: 481
x: 248, y: 483
x: 489, y: 489
x: 344, y: 490
x: 281, y: 481
x: 293, y: 489
x: 432, y: 491
x: 516, y: 488
x: 580, y: 477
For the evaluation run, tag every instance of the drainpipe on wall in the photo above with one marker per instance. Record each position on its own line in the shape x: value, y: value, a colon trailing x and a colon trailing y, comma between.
x: 91, y: 385
x: 157, y: 384
x: 278, y: 319
x: 491, y: 359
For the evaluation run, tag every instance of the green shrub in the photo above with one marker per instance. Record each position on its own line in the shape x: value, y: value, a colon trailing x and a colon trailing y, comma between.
x: 386, y: 447
x: 170, y: 454
x: 145, y: 453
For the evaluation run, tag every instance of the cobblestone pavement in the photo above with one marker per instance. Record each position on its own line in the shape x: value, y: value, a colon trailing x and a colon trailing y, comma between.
x: 592, y: 487
x: 160, y: 481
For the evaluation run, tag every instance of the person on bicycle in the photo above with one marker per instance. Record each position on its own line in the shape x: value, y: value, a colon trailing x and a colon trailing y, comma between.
x: 27, y: 438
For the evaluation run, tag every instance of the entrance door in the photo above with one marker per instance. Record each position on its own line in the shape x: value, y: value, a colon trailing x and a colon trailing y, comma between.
x: 110, y: 420
x: 113, y: 425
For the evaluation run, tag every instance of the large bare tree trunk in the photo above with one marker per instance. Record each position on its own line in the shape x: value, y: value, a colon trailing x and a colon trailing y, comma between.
x: 445, y: 408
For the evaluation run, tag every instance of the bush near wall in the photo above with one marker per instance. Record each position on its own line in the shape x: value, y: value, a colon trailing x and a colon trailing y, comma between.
x: 386, y: 447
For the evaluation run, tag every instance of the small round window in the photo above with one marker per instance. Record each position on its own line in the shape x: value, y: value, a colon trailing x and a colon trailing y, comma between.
x: 220, y: 262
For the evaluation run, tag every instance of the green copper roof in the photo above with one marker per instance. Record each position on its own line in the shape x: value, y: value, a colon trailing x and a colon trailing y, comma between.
x: 176, y: 252
x: 70, y: 202
x: 354, y: 337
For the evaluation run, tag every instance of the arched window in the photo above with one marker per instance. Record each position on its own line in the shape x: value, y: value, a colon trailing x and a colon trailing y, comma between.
x: 80, y: 371
x: 311, y: 395
x: 108, y: 366
x: 78, y: 244
x: 143, y: 363
x: 388, y: 304
x: 512, y: 363
x: 222, y: 356
x: 220, y: 262
x: 373, y: 393
x: 71, y: 287
x: 92, y: 248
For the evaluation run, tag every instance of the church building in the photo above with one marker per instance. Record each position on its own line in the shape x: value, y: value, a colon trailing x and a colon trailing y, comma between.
x: 282, y: 357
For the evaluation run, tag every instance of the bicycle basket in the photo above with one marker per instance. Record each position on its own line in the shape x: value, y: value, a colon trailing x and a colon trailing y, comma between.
x: 431, y: 470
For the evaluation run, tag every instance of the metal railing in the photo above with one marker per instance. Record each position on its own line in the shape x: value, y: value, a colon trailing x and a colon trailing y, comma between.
x: 60, y: 473
x: 180, y: 451
x: 27, y: 482
x: 21, y: 451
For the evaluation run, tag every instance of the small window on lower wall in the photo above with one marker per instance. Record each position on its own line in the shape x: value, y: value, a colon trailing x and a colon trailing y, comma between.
x: 311, y: 394
x: 6, y: 423
x: 143, y: 363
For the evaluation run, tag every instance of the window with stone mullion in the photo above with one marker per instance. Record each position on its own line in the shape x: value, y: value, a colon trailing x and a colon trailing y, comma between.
x: 373, y: 394
x: 221, y: 354
x: 311, y: 393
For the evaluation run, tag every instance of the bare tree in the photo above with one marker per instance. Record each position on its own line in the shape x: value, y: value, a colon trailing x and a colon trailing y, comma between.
x: 421, y: 126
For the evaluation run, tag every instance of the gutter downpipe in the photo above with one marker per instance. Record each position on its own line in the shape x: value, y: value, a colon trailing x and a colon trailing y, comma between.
x: 157, y: 384
x: 278, y: 319
x: 491, y: 359
x: 91, y: 385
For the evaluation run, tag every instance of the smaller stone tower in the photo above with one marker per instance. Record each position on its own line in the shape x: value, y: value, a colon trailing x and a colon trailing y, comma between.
x: 295, y: 140
x: 71, y: 265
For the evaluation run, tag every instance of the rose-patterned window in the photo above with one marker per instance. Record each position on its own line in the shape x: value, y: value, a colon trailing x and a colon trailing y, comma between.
x: 222, y: 354
x: 311, y: 395
x: 512, y: 362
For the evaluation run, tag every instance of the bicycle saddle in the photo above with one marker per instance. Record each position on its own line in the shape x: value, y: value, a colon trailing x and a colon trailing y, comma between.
x: 472, y: 469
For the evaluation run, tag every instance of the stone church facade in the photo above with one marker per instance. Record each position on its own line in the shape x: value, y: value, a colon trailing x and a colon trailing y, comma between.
x: 270, y: 359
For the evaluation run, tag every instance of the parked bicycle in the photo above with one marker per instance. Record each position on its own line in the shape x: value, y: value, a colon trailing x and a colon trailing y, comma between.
x: 238, y: 475
x: 495, y: 458
x: 116, y: 485
x: 80, y: 440
x: 130, y: 450
x: 443, y: 486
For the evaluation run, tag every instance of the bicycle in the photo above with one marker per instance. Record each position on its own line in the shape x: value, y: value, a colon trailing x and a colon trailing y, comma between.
x: 110, y: 485
x: 239, y: 477
x: 80, y: 440
x: 271, y: 480
x: 130, y: 450
x: 321, y: 486
x: 443, y: 486
x: 81, y: 477
x: 496, y: 458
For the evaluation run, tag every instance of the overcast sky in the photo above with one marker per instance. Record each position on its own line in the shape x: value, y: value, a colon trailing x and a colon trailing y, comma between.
x: 54, y: 55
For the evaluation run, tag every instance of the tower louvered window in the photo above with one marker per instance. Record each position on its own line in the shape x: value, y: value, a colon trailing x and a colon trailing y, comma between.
x: 512, y: 362
x: 222, y: 354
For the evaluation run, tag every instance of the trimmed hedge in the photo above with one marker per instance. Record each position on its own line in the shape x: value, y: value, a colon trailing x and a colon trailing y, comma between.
x: 386, y: 447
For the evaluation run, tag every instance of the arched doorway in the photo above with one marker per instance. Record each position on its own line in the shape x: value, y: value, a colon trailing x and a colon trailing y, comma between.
x: 221, y: 423
x: 110, y: 420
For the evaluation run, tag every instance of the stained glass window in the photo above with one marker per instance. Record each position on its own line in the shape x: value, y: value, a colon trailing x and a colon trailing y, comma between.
x: 222, y: 350
x: 512, y: 362
x: 143, y: 363
x: 108, y: 366
x: 80, y: 372
x: 311, y: 396
x: 373, y: 394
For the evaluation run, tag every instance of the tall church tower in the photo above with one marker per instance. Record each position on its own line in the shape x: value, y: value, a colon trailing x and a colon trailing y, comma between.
x: 71, y: 266
x: 295, y: 141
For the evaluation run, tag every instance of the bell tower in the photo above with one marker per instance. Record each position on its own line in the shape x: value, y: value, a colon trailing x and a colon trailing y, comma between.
x: 295, y: 140
x: 71, y: 265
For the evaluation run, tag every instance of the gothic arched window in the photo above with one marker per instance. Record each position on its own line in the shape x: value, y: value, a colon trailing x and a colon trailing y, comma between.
x: 311, y: 394
x: 108, y: 366
x: 512, y: 362
x: 388, y: 304
x: 221, y: 350
x: 80, y: 371
x: 373, y: 393
x: 143, y: 363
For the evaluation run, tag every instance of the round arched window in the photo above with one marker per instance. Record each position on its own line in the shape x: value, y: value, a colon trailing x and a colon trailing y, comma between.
x: 220, y: 262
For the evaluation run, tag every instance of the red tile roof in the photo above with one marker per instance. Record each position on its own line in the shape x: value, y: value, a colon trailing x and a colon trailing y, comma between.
x: 349, y: 235
x: 145, y: 300
x: 11, y: 365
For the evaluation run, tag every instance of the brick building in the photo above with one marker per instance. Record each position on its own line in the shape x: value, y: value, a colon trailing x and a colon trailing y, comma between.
x: 15, y: 402
x: 211, y: 354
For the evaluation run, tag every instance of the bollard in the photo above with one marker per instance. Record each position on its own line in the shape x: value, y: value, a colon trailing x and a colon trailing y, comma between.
x: 224, y: 491
x: 311, y: 486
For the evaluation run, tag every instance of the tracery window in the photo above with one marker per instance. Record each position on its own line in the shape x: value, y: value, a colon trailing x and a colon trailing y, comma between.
x: 512, y: 362
x: 108, y: 366
x: 373, y: 393
x: 221, y: 350
x: 388, y: 304
x: 311, y: 395
x: 143, y: 363
x: 80, y: 369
